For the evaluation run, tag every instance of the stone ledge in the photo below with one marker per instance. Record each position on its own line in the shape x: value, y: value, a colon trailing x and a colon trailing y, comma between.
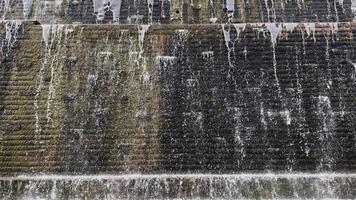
x: 174, y: 11
x: 181, y: 186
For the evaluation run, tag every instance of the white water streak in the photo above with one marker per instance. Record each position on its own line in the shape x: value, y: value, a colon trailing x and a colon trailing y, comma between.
x: 145, y: 77
x: 290, y: 27
x: 11, y: 33
x: 56, y: 35
x: 274, y: 29
x: 227, y: 43
x: 50, y: 33
x: 270, y: 10
x: 239, y: 28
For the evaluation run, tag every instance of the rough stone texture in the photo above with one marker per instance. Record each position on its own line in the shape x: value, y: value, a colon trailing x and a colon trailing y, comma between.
x: 179, y: 11
x: 107, y: 99
x: 171, y: 187
x: 77, y: 104
x: 195, y: 91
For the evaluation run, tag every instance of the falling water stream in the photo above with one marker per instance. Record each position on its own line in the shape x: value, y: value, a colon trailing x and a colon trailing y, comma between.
x: 179, y: 186
x: 267, y: 185
x: 125, y: 74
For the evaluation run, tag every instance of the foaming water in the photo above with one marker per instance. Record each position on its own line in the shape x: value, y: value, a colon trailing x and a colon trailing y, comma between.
x: 180, y: 186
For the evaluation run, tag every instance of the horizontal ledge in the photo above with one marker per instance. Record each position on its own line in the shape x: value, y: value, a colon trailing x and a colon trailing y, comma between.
x: 187, y: 25
x: 180, y: 176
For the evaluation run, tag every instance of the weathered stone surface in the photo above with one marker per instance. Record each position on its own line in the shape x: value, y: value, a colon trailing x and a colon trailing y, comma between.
x: 178, y: 11
x: 89, y: 99
x: 210, y: 90
x: 190, y: 186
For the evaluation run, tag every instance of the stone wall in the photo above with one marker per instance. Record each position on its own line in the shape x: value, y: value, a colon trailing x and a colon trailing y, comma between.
x: 128, y: 99
x: 178, y: 11
x: 193, y: 186
x: 89, y: 99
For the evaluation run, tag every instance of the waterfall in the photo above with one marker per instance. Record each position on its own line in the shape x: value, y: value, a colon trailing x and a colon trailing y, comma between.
x: 274, y: 29
x: 112, y: 99
x: 327, y: 126
x: 207, y: 186
x: 270, y: 10
x: 12, y: 29
x: 228, y: 41
x: 46, y: 31
x: 145, y: 77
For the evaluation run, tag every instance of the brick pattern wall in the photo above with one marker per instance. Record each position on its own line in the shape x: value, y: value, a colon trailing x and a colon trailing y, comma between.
x: 234, y: 101
x: 177, y: 11
x: 201, y: 86
x: 170, y: 98
x: 73, y: 100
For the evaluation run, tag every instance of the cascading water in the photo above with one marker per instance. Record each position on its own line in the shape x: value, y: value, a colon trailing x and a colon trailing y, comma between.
x: 180, y: 186
x: 12, y: 29
x: 274, y: 29
x: 157, y: 111
x: 52, y: 35
x: 110, y: 11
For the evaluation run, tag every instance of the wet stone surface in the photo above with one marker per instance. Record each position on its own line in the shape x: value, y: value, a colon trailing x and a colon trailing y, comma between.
x: 176, y: 11
x: 181, y: 188
x: 203, y: 99
x: 222, y: 98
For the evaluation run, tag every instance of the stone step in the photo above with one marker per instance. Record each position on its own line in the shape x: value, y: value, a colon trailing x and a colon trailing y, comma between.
x: 327, y: 185
x: 177, y: 11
